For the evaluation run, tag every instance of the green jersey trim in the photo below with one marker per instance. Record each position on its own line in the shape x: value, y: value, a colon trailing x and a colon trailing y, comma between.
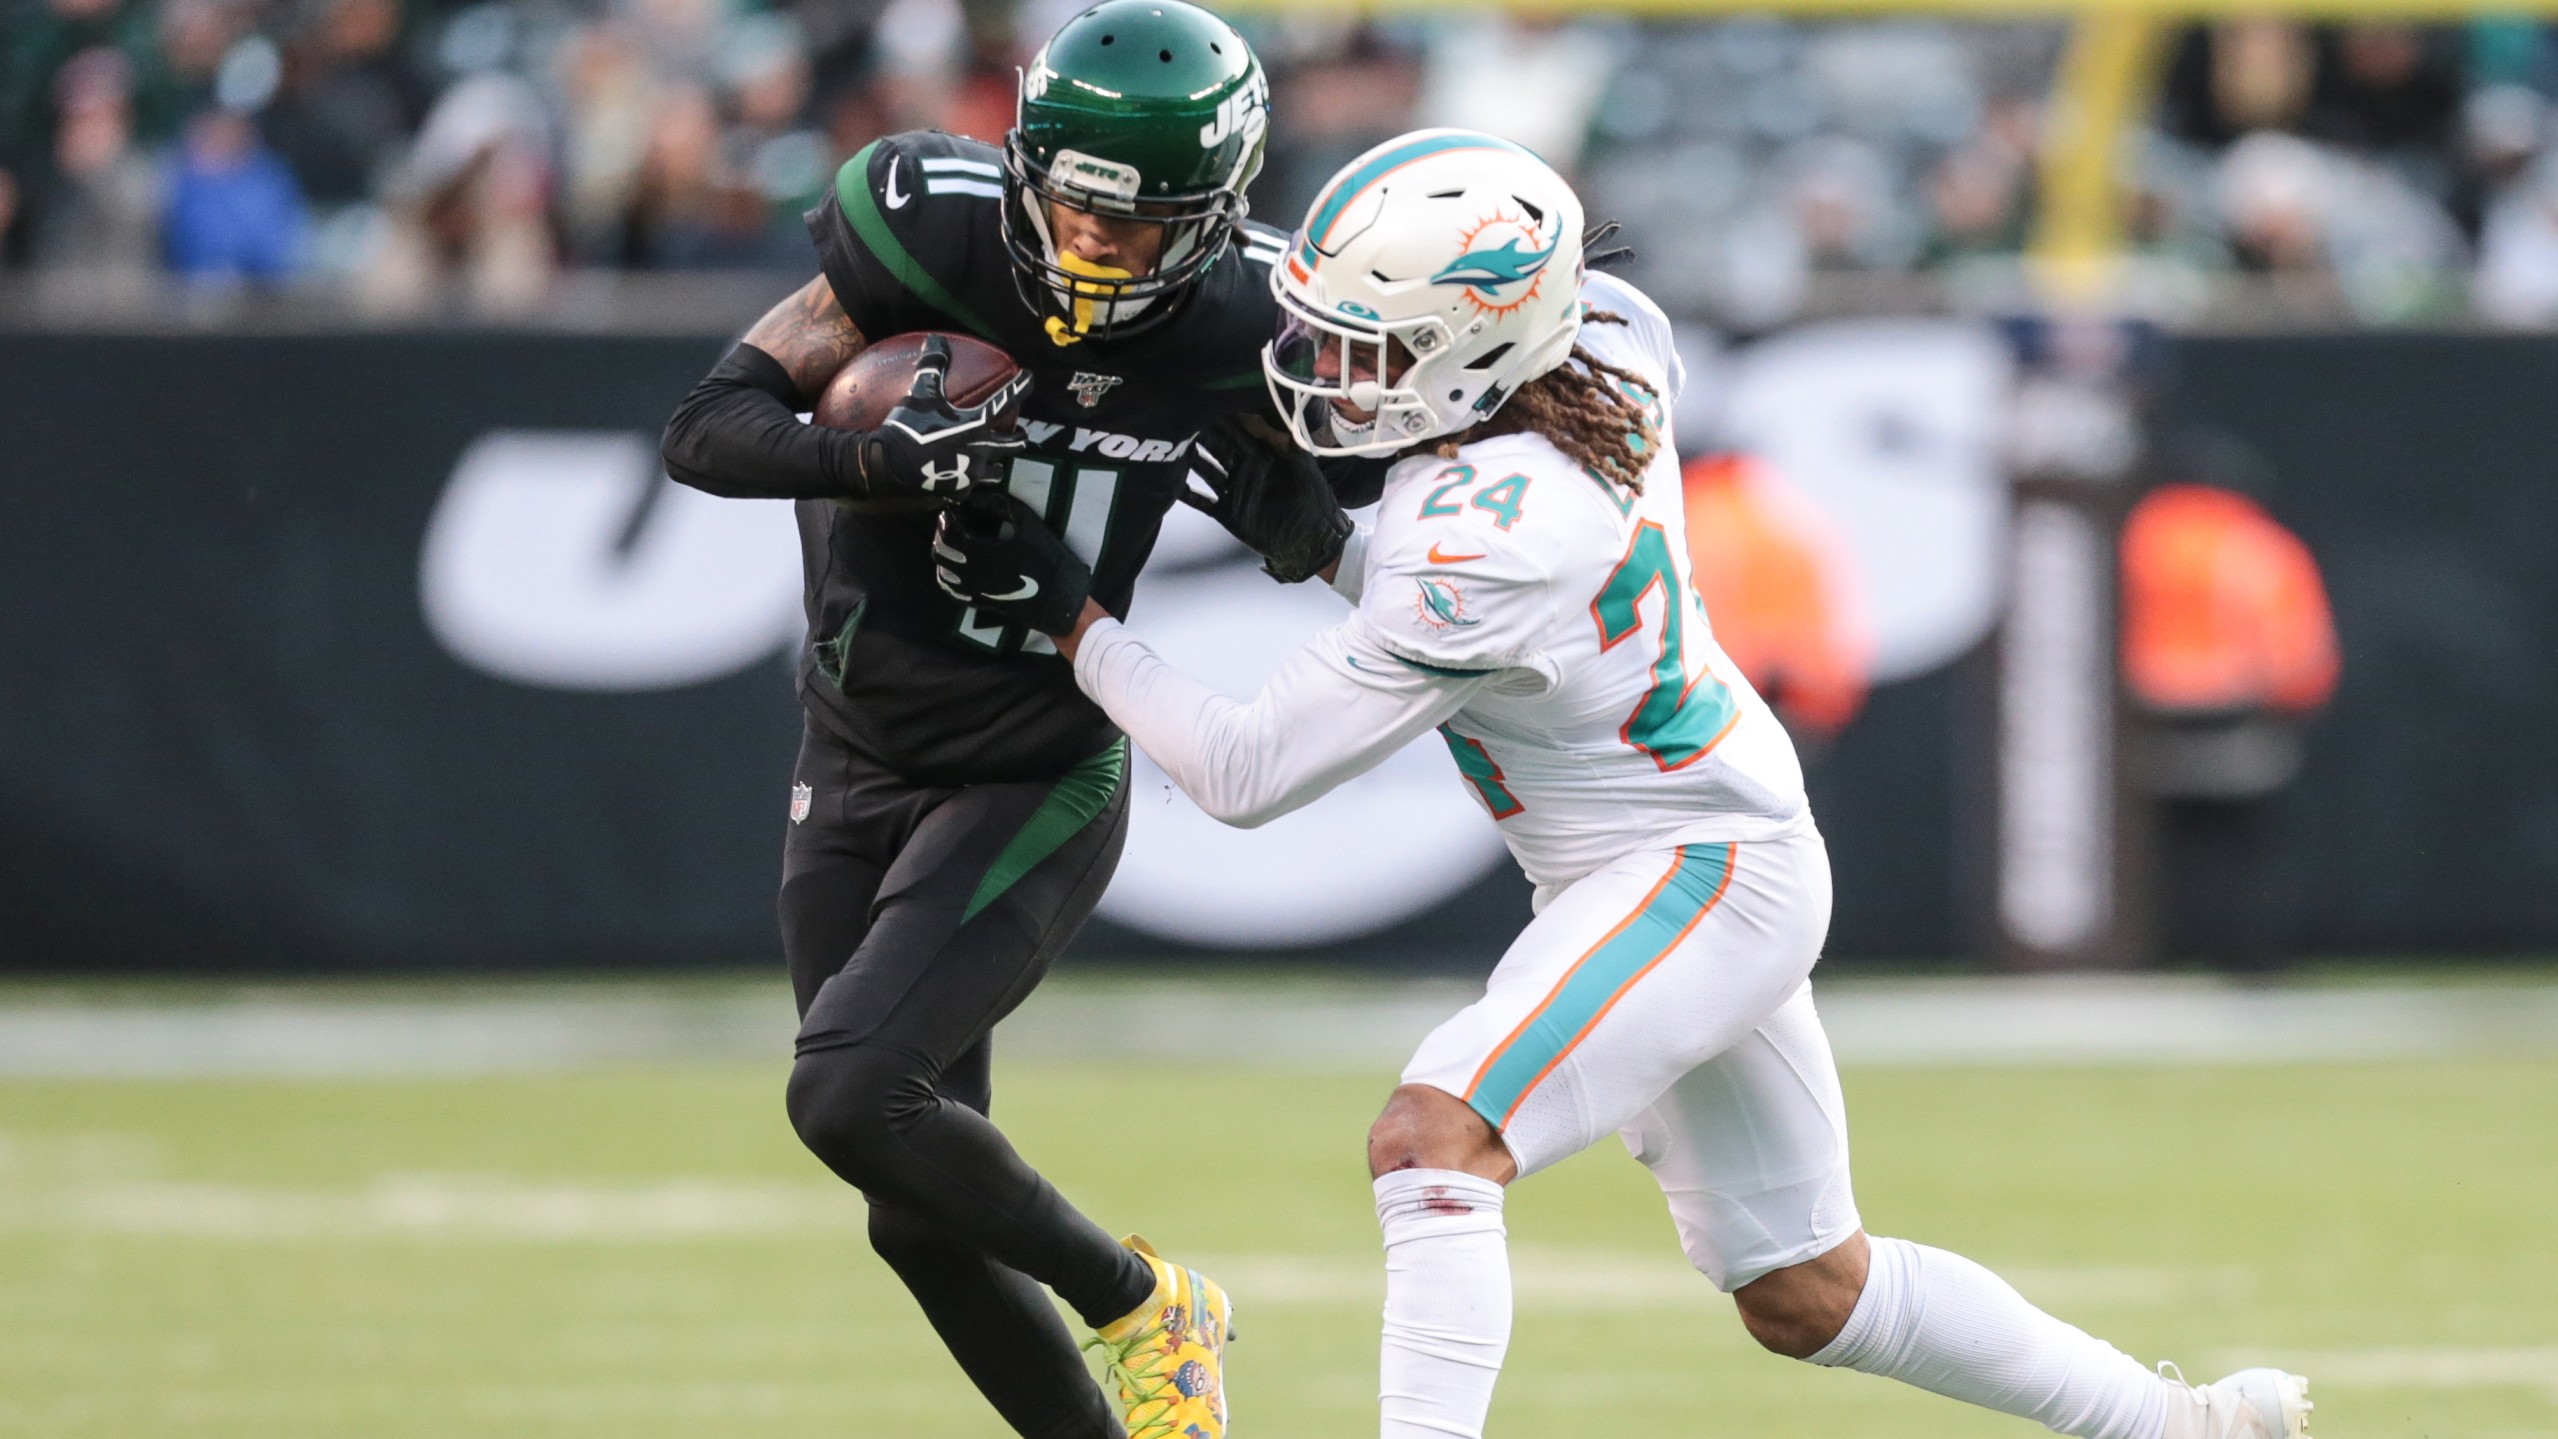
x: 1079, y: 796
x: 852, y: 195
x: 832, y: 654
x: 1235, y: 382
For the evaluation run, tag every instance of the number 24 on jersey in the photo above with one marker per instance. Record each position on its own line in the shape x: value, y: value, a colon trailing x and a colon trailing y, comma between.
x: 1499, y: 499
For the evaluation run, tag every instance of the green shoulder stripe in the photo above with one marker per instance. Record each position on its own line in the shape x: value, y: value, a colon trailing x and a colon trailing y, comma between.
x: 1235, y: 382
x: 1079, y: 796
x: 852, y: 195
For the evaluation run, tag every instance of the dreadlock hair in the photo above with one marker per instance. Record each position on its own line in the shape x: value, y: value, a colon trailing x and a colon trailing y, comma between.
x: 1599, y: 424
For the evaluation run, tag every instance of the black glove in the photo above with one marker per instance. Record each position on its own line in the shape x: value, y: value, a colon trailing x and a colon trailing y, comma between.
x: 1269, y: 494
x: 998, y: 555
x: 929, y: 444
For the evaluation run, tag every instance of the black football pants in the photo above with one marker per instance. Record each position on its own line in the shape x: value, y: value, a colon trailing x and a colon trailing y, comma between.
x: 915, y: 918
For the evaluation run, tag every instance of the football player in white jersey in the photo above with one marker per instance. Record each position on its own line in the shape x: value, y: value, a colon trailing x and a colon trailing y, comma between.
x: 1524, y: 589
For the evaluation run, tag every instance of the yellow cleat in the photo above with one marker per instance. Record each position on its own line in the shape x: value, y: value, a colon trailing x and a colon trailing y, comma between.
x: 1167, y: 1360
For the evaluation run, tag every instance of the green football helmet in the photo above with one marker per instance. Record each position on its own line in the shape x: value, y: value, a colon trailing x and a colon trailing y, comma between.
x: 1143, y: 109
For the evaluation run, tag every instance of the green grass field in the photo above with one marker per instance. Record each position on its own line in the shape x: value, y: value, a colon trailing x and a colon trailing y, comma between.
x: 647, y: 1252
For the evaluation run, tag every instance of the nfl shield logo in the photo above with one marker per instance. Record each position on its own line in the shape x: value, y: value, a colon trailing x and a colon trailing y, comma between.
x: 800, y: 797
x: 1088, y: 387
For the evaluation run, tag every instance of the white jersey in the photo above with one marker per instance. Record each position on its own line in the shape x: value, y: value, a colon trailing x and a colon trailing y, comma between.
x: 1613, y: 722
x: 1541, y: 618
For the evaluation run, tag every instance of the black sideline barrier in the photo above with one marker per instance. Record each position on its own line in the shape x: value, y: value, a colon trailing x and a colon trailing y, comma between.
x: 226, y: 737
x: 232, y: 737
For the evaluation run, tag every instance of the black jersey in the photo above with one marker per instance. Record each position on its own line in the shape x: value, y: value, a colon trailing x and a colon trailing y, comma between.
x: 926, y: 685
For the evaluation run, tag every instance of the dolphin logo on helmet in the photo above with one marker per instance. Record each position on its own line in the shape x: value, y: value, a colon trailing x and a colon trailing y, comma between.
x: 1491, y: 269
x: 1433, y: 276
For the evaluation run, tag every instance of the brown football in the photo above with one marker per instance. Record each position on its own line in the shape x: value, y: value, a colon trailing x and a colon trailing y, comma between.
x: 872, y: 382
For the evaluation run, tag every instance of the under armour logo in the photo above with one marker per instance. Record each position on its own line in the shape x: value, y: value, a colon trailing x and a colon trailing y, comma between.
x: 952, y: 476
x: 1088, y: 387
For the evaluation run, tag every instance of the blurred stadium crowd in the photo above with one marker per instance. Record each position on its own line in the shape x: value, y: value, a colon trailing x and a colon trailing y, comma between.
x: 2378, y: 172
x: 414, y: 157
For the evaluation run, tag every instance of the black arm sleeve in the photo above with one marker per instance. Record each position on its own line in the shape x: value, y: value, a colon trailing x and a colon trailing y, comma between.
x: 738, y: 434
x: 1357, y: 480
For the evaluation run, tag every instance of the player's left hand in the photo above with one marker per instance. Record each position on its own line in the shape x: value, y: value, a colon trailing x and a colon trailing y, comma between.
x: 1001, y: 557
x: 1269, y: 494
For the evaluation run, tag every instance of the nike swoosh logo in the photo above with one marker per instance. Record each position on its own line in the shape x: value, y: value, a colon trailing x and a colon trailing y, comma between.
x: 1028, y: 588
x: 896, y: 201
x: 1437, y: 558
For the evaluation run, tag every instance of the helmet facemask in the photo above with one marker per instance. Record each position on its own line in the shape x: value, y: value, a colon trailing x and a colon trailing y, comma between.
x: 1082, y: 300
x: 1135, y: 110
x: 1327, y: 371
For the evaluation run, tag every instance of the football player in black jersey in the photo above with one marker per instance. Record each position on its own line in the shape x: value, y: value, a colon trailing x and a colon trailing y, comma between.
x: 959, y: 804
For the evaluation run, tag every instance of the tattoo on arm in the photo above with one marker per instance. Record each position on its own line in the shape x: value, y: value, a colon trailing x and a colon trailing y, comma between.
x: 809, y: 334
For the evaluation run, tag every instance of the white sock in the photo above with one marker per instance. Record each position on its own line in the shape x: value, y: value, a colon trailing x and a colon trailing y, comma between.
x: 1447, y: 1303
x: 1945, y: 1324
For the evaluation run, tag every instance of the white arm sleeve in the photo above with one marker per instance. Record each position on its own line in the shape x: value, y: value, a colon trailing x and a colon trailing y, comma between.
x: 1351, y: 574
x: 1337, y: 708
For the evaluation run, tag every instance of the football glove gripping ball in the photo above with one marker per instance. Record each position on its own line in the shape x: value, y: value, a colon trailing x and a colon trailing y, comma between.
x: 943, y: 450
x: 998, y: 555
x: 1270, y: 495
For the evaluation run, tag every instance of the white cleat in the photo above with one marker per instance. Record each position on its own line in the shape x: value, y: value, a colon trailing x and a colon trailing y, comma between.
x: 2250, y: 1404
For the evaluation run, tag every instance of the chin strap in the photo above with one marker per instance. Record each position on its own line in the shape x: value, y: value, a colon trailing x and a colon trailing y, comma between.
x: 1061, y: 333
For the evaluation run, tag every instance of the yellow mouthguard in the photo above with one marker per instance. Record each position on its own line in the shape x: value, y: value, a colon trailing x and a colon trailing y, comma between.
x: 1058, y: 330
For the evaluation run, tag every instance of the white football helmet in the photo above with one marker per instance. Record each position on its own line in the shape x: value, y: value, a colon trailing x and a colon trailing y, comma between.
x: 1434, y: 276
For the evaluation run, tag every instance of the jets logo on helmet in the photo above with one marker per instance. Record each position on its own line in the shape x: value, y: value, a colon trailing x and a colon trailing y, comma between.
x: 1148, y: 110
x: 1097, y: 176
x: 1245, y: 112
x: 1433, y: 276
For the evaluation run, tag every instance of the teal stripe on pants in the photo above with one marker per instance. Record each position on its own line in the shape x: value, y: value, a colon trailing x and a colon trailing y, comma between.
x: 1597, y: 979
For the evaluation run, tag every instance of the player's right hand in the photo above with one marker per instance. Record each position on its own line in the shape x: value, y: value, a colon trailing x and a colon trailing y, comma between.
x: 999, y: 556
x: 930, y: 446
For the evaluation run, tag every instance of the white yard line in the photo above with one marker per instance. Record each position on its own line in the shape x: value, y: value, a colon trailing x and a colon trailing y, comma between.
x: 51, y: 1193
x: 474, y: 1031
x: 433, y: 1207
x: 1327, y: 1024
